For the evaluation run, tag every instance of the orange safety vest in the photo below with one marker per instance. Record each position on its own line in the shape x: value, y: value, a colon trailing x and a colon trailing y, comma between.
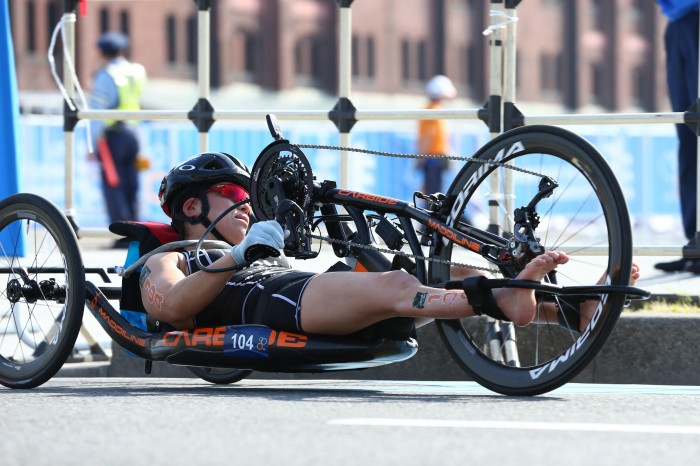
x: 432, y: 135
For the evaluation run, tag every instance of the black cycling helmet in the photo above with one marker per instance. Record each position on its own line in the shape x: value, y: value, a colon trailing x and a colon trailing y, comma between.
x: 200, y: 171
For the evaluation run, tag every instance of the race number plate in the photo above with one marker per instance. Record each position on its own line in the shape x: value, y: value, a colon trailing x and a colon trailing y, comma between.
x: 247, y: 342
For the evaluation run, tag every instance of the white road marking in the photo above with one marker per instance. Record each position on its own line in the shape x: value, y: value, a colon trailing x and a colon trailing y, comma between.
x: 556, y: 426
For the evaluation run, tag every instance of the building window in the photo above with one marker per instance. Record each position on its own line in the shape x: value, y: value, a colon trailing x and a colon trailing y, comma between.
x: 250, y: 52
x: 244, y: 55
x: 597, y: 84
x: 31, y: 27
x: 405, y: 61
x: 306, y: 61
x: 370, y: 57
x: 640, y: 85
x: 463, y: 69
x: 559, y: 72
x: 104, y: 20
x: 422, y: 61
x: 354, y: 54
x: 52, y: 18
x: 637, y: 16
x: 597, y: 12
x: 192, y: 40
x: 363, y: 56
x: 171, y: 39
x: 124, y: 22
x: 550, y: 72
x: 414, y: 62
x: 299, y: 60
x: 471, y: 67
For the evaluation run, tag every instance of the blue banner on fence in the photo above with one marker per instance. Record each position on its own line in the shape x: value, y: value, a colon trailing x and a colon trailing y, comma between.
x: 643, y: 158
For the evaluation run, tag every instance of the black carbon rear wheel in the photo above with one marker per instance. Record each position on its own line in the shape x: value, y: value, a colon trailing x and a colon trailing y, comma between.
x: 586, y: 216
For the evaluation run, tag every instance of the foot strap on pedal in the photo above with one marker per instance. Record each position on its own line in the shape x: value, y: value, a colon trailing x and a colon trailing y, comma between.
x: 481, y: 297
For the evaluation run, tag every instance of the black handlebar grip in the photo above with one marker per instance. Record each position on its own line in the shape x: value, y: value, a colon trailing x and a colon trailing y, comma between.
x: 284, y: 216
x: 284, y: 207
x: 260, y: 251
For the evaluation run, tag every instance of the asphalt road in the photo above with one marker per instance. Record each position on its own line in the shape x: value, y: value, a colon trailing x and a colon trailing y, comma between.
x: 113, y: 421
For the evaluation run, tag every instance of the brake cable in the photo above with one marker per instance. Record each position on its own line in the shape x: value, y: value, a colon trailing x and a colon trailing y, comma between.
x: 208, y: 230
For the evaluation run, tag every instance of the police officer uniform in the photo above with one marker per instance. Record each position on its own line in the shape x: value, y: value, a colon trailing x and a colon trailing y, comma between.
x: 681, y: 42
x: 117, y: 86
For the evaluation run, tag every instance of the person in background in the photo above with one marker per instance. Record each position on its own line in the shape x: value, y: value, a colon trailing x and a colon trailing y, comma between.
x: 117, y: 85
x: 433, y: 138
x: 681, y: 41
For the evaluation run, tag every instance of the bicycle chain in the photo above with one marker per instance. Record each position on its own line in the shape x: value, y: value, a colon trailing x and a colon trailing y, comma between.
x: 420, y: 156
x: 411, y: 156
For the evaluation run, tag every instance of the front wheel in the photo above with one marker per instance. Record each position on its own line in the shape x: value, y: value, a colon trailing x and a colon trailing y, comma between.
x: 585, y: 216
x: 42, y: 290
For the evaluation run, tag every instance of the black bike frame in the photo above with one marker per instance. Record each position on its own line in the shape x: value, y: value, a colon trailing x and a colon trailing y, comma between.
x: 485, y: 244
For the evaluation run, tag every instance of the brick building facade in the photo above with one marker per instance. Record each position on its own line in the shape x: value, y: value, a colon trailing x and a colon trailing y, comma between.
x: 578, y: 54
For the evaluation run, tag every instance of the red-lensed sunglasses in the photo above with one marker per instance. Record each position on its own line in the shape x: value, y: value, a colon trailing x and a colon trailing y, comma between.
x: 230, y: 191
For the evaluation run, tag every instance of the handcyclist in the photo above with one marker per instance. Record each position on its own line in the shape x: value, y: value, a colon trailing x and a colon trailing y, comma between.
x: 175, y: 291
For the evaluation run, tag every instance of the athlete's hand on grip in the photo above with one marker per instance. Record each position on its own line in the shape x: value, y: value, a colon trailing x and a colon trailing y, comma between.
x: 268, y: 233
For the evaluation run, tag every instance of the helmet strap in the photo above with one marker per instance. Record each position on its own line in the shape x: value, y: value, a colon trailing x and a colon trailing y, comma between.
x: 205, y: 221
x: 179, y: 217
x: 203, y: 217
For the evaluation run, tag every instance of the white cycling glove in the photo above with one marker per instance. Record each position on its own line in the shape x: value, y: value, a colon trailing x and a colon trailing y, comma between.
x: 268, y: 233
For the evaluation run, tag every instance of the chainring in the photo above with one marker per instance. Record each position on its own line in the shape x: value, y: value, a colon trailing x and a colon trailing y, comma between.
x: 287, y: 163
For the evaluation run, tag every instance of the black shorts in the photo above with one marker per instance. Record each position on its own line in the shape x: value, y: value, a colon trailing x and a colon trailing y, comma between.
x: 273, y: 300
x: 278, y: 305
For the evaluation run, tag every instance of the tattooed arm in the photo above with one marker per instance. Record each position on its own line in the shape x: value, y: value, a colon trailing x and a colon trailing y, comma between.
x: 170, y: 295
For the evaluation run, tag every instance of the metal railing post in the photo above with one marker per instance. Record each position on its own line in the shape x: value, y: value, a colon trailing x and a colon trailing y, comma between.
x: 509, y: 67
x: 69, y: 19
x: 203, y: 65
x: 495, y: 106
x: 344, y: 81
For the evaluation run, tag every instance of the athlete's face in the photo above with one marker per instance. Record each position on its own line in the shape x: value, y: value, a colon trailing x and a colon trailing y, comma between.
x: 234, y: 225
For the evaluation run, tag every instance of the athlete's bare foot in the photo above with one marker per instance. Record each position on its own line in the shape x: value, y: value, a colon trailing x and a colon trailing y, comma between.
x: 519, y: 304
x: 588, y: 308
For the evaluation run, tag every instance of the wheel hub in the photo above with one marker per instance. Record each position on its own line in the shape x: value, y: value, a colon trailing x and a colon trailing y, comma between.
x: 16, y: 290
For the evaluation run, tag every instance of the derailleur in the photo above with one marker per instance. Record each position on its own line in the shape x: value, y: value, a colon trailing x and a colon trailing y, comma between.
x: 525, y: 245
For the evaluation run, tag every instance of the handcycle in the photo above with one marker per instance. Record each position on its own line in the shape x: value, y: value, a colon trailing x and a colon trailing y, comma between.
x: 578, y: 207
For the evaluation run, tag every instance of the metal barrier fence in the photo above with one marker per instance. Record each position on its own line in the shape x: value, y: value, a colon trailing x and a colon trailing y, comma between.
x: 499, y: 113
